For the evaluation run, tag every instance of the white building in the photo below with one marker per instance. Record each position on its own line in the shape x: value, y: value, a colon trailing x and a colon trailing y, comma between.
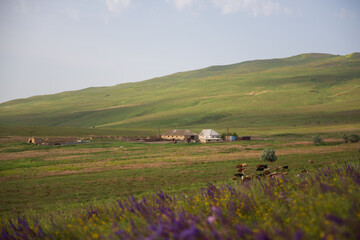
x: 209, y: 135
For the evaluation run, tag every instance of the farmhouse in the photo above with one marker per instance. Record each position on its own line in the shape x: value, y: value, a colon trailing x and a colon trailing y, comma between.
x: 209, y: 135
x: 180, y: 134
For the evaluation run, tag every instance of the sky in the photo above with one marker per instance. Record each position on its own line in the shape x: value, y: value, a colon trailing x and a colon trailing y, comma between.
x: 50, y: 46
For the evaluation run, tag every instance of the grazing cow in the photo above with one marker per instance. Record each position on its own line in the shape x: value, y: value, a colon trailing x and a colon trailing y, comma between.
x: 261, y: 167
x: 241, y: 170
x: 275, y: 174
x: 277, y: 168
x: 247, y: 178
x: 243, y: 165
x: 285, y: 167
x: 267, y: 172
x: 238, y: 174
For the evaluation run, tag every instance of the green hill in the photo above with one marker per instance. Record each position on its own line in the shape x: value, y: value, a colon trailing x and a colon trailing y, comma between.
x: 304, y: 90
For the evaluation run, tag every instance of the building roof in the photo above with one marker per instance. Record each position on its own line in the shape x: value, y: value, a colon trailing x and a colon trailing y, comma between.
x: 209, y: 132
x: 179, y: 132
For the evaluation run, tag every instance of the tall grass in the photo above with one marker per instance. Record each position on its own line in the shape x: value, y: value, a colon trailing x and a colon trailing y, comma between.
x: 324, y: 204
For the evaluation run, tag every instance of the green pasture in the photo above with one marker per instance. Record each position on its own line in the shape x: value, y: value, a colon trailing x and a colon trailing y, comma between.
x: 45, y: 178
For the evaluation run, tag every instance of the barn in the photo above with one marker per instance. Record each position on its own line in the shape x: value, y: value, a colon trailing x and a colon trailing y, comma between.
x: 180, y: 134
x: 209, y: 135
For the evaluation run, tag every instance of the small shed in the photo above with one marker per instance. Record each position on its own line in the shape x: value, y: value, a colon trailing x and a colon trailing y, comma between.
x: 230, y: 138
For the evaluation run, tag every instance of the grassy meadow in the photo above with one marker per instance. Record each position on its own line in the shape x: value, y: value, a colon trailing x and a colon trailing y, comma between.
x: 39, y: 177
x: 83, y: 191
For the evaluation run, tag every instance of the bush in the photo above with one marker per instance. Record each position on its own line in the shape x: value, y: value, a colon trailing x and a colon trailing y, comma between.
x: 351, y: 138
x: 223, y: 136
x: 317, y: 140
x: 268, y: 155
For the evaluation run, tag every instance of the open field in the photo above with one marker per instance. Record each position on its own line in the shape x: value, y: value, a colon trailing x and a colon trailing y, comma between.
x: 82, y: 191
x: 46, y: 177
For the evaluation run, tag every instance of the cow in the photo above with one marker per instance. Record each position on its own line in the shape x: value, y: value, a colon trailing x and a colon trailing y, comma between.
x: 247, y: 178
x: 277, y: 168
x: 238, y: 174
x: 243, y: 165
x: 275, y: 174
x: 261, y: 167
x: 285, y: 167
x: 241, y: 170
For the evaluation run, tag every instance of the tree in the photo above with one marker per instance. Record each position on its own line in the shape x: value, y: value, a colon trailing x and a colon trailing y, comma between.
x: 268, y: 155
x: 317, y: 140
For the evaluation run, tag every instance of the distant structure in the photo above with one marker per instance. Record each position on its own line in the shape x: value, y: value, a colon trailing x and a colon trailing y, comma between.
x: 36, y: 140
x: 244, y: 138
x: 209, y: 135
x: 181, y: 135
x: 53, y: 141
x: 230, y: 138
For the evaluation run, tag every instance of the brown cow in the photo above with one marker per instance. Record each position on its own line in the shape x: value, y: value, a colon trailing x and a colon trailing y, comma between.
x: 261, y: 167
x: 243, y: 165
x: 247, y: 178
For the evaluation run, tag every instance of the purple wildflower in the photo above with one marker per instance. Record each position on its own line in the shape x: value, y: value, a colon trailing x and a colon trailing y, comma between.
x: 190, y: 233
x: 262, y: 236
x: 338, y: 220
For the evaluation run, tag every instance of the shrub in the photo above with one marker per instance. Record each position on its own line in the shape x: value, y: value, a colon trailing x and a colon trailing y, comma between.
x: 223, y: 136
x: 317, y: 140
x: 351, y: 138
x: 354, y: 138
x: 268, y: 155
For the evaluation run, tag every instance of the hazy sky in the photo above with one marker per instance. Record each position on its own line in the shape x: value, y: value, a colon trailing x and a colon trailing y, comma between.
x: 49, y: 46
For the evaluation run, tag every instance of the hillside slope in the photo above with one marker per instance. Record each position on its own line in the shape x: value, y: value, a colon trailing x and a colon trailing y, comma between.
x: 300, y: 90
